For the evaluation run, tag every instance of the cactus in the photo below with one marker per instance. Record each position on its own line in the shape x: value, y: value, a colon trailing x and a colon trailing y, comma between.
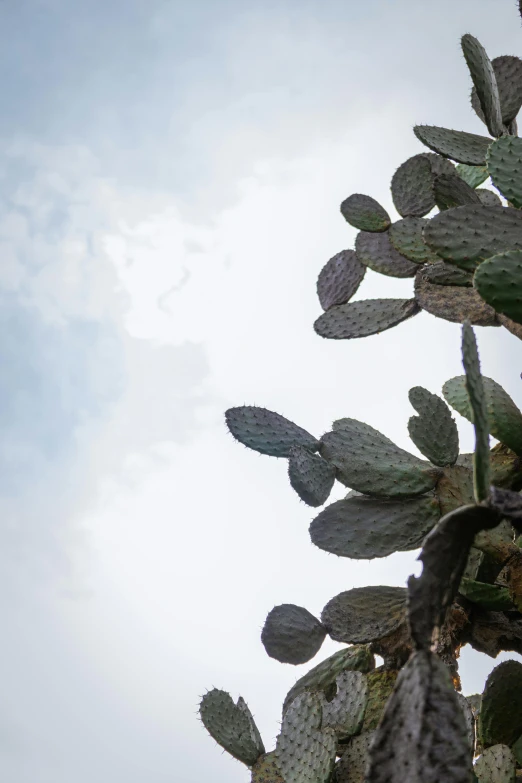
x: 406, y: 722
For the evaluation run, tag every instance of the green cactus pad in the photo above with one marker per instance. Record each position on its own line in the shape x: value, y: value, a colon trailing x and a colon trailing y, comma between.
x: 459, y: 146
x: 339, y: 279
x: 363, y: 528
x: 452, y: 303
x: 381, y: 683
x: 323, y: 676
x: 497, y: 764
x: 504, y: 418
x: 365, y: 614
x: 265, y: 770
x: 407, y: 237
x: 412, y: 187
x: 352, y: 765
x: 439, y: 165
x: 231, y: 725
x: 441, y: 273
x: 368, y: 462
x: 377, y: 252
x: 310, y: 475
x: 267, y: 432
x: 451, y: 191
x: 291, y: 634
x: 304, y: 753
x: 499, y: 282
x: 505, y: 167
x: 473, y: 175
x: 468, y: 235
x: 365, y: 213
x: 422, y: 735
x: 508, y: 73
x: 345, y: 712
x: 493, y: 598
x: 485, y: 83
x: 433, y: 431
x: 500, y: 719
x: 361, y: 319
x: 488, y: 197
x: 479, y: 413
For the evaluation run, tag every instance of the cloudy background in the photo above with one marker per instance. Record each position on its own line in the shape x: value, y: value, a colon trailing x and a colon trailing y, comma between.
x: 169, y: 184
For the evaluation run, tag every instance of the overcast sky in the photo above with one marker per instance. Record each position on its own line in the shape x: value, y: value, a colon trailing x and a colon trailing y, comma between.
x: 170, y: 187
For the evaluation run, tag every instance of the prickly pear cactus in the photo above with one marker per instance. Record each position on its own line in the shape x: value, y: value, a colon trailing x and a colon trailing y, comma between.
x: 346, y: 721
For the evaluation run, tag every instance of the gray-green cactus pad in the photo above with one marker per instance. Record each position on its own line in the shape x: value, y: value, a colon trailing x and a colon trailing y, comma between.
x: 508, y: 73
x: 377, y: 252
x: 310, y: 475
x: 485, y: 83
x: 365, y: 614
x: 265, y: 770
x: 488, y: 198
x: 304, y: 753
x: 368, y: 462
x: 453, y: 303
x: 468, y: 235
x: 407, y: 237
x: 469, y: 718
x: 459, y: 146
x: 267, y: 432
x: 291, y: 634
x: 412, y: 187
x: 363, y: 528
x: 504, y: 418
x: 339, y: 279
x: 441, y: 273
x: 505, y: 167
x: 231, y: 725
x: 365, y: 213
x: 499, y: 282
x: 497, y: 764
x: 479, y: 413
x: 500, y: 719
x: 352, y: 765
x: 493, y: 598
x: 345, y: 712
x: 422, y: 736
x: 323, y: 676
x: 361, y: 319
x: 433, y: 431
x: 451, y: 191
x: 473, y: 175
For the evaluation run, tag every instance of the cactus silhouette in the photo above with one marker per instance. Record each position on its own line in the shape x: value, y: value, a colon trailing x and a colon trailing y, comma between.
x: 346, y: 721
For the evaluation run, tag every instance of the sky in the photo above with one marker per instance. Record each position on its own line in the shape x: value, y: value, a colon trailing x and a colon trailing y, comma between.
x: 169, y: 191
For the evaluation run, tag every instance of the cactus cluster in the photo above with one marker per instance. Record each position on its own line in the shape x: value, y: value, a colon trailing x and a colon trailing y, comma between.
x: 346, y: 721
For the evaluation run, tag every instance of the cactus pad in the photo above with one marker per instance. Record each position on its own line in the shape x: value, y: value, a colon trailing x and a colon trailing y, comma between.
x: 339, y: 279
x: 323, y: 676
x: 304, y: 753
x: 485, y: 83
x: 496, y: 765
x: 500, y: 719
x: 488, y: 198
x: 473, y: 175
x: 310, y: 475
x: 368, y: 462
x: 265, y: 770
x: 291, y: 634
x: 499, y: 282
x: 492, y: 598
x: 469, y: 718
x: 267, y: 432
x: 361, y: 319
x: 433, y: 431
x: 231, y: 725
x: 452, y: 303
x: 380, y: 683
x: 365, y: 614
x: 345, y: 712
x: 479, y: 413
x: 451, y: 191
x: 509, y: 504
x: 365, y: 213
x: 505, y: 167
x: 468, y: 235
x: 377, y: 252
x: 407, y: 238
x: 441, y: 273
x: 422, y: 735
x: 508, y: 73
x: 504, y: 418
x: 352, y: 765
x: 459, y: 146
x: 412, y: 187
x: 362, y: 527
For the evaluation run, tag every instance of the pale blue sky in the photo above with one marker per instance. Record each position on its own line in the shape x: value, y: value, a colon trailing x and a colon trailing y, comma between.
x: 169, y: 191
